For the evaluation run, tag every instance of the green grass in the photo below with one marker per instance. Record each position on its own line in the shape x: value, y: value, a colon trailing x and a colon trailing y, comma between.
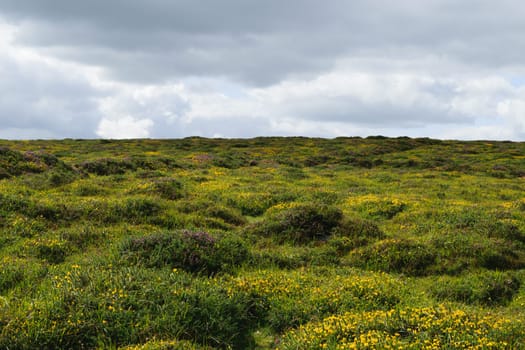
x: 264, y: 243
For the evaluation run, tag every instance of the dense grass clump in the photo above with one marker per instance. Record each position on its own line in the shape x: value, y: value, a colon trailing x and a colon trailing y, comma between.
x: 487, y: 288
x: 299, y: 223
x: 395, y: 255
x: 191, y: 251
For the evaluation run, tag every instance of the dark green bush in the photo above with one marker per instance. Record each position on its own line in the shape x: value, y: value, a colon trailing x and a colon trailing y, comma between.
x: 84, y: 237
x: 395, y: 255
x: 459, y: 251
x: 295, y: 257
x: 169, y: 189
x: 135, y: 209
x: 107, y: 166
x: 53, y: 252
x: 299, y: 224
x: 505, y: 230
x: 10, y: 275
x: 14, y: 163
x: 192, y: 251
x: 214, y: 318
x: 87, y: 190
x: 228, y: 215
x: 487, y: 288
x: 353, y: 233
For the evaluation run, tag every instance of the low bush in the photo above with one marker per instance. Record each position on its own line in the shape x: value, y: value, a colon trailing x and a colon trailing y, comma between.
x: 228, y: 215
x: 394, y: 255
x: 293, y: 257
x: 197, y: 252
x: 10, y: 275
x: 302, y: 223
x: 167, y: 345
x: 14, y: 163
x: 169, y: 189
x: 135, y: 210
x: 459, y: 251
x: 379, y: 208
x: 353, y: 233
x: 107, y: 166
x: 487, y: 288
x: 53, y: 251
x: 256, y: 203
x: 81, y: 238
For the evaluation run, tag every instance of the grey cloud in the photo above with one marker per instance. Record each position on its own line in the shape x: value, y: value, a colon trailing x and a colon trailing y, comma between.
x: 42, y: 100
x: 263, y: 42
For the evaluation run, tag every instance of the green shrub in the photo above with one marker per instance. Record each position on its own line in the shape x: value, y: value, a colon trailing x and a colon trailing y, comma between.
x: 135, y: 210
x: 169, y: 189
x: 228, y: 215
x: 505, y: 230
x: 53, y: 251
x: 14, y: 163
x: 395, y: 255
x: 293, y: 257
x: 353, y: 233
x: 192, y: 251
x: 107, y: 166
x: 10, y: 275
x: 256, y: 203
x: 88, y: 189
x: 486, y: 288
x: 299, y: 224
x: 166, y: 345
x: 458, y: 251
x: 82, y: 238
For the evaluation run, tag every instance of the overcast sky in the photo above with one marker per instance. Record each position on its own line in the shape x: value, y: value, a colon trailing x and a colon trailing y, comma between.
x: 242, y: 68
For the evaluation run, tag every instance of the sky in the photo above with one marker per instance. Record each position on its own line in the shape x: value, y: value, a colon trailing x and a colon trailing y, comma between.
x: 444, y: 69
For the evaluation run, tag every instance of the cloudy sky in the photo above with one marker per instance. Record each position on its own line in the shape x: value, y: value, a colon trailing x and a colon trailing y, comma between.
x: 244, y: 68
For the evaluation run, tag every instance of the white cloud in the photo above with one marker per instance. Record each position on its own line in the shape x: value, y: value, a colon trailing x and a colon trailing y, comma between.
x: 124, y: 128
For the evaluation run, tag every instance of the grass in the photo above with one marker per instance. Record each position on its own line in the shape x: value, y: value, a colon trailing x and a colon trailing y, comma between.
x: 264, y: 243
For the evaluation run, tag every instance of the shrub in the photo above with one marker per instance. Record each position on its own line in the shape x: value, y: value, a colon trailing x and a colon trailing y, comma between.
x: 353, y: 233
x: 487, y: 288
x: 169, y: 189
x: 10, y: 275
x: 229, y: 216
x: 136, y: 210
x: 166, y: 345
x: 505, y: 230
x: 53, y: 251
x: 300, y: 224
x: 192, y: 251
x: 381, y: 208
x: 395, y: 255
x: 458, y: 251
x: 84, y: 237
x: 107, y: 166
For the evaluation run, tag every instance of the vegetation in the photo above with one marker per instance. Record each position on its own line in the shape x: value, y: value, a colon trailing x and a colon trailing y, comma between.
x: 266, y: 243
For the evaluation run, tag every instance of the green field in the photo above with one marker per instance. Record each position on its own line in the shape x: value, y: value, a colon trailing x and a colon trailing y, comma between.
x: 265, y: 243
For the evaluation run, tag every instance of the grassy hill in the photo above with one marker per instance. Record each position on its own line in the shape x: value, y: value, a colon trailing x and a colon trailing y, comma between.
x: 288, y: 243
